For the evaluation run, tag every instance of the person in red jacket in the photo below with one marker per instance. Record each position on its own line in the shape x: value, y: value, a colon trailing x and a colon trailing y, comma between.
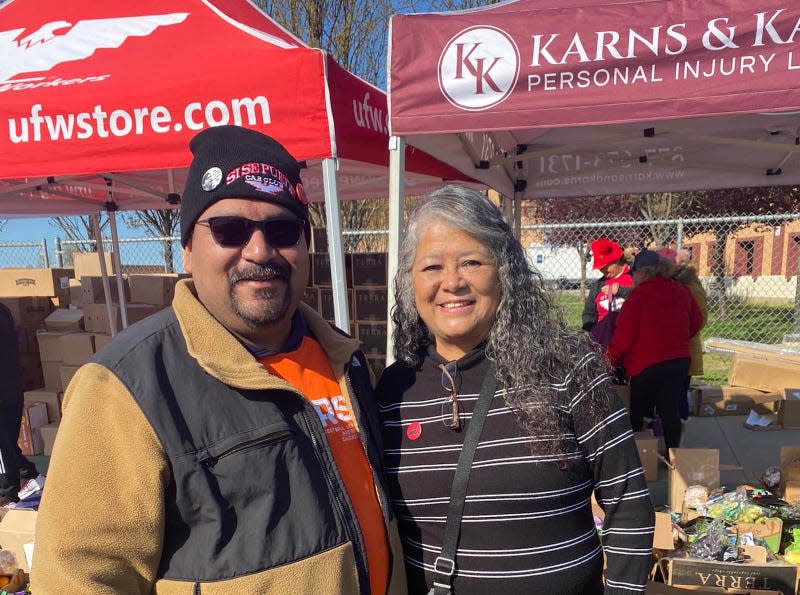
x: 609, y: 291
x: 651, y: 341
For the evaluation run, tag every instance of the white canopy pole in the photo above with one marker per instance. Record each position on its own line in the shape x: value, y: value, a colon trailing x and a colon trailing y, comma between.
x: 335, y: 250
x: 397, y: 165
x: 123, y: 306
x: 101, y: 255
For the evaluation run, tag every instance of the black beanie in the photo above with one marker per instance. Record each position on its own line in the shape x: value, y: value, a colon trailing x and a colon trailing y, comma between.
x: 235, y: 162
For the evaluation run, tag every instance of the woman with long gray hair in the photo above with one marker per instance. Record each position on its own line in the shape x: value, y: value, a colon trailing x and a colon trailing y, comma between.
x: 468, y: 307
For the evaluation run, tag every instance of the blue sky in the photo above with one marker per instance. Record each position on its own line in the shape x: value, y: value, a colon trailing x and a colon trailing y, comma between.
x: 28, y: 230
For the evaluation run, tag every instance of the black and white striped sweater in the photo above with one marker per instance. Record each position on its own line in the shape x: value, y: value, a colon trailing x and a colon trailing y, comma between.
x: 527, y: 525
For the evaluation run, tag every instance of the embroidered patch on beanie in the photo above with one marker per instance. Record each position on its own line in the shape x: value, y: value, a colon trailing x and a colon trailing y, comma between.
x: 236, y: 162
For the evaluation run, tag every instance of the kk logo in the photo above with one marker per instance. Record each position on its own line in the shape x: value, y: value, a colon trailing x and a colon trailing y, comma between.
x: 478, y: 68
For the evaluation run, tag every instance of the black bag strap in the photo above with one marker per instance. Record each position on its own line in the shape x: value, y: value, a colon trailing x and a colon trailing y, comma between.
x: 445, y: 564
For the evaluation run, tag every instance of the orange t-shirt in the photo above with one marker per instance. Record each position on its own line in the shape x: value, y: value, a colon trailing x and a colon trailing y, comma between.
x: 308, y: 370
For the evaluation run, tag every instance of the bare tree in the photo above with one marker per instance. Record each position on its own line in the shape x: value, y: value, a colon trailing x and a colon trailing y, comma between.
x: 162, y: 224
x: 660, y: 206
x: 352, y: 31
x: 80, y: 233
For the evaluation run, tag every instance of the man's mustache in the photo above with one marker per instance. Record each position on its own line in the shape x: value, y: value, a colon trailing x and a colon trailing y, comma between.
x: 266, y: 272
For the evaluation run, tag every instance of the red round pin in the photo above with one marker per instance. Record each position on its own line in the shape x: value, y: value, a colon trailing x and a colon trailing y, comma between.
x: 414, y: 430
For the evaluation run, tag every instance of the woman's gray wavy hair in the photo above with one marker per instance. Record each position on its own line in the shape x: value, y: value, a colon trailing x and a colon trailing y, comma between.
x: 529, y: 344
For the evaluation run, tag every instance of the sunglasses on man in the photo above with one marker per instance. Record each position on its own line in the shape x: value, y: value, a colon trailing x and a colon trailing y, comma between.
x: 235, y: 232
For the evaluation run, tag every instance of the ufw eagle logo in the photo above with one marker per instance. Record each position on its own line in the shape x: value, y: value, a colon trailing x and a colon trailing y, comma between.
x: 61, y: 41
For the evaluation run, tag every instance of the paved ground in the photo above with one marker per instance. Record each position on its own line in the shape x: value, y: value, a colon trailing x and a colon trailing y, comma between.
x: 743, y: 454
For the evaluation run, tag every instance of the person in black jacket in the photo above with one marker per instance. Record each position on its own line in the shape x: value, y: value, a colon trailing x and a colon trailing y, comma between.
x: 12, y: 461
x: 234, y: 443
x: 468, y: 305
x: 609, y: 291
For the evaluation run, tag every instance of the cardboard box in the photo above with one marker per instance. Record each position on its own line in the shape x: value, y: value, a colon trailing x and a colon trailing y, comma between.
x: 370, y: 269
x: 662, y: 535
x: 153, y: 289
x: 28, y: 312
x: 769, y: 531
x: 372, y: 336
x: 94, y: 293
x: 49, y: 437
x: 789, y: 411
x: 647, y: 445
x: 774, y: 576
x: 319, y: 239
x: 791, y: 492
x: 87, y: 264
x: 370, y: 305
x: 767, y: 403
x: 712, y: 401
x: 75, y: 292
x: 64, y: 320
x: 326, y: 303
x: 17, y: 529
x: 321, y: 269
x: 735, y: 405
x: 34, y: 416
x: 77, y: 348
x: 691, y: 466
x: 51, y: 399
x: 34, y: 282
x: 95, y: 316
x: 790, y: 473
x: 100, y: 341
x: 66, y: 373
x: 49, y: 346
x: 51, y: 375
x: 662, y: 589
x: 763, y: 374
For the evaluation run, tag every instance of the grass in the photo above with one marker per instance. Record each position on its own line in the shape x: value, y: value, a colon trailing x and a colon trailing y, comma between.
x: 746, y: 321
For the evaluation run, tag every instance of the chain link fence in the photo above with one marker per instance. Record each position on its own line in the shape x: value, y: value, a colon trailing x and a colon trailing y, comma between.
x: 24, y: 254
x: 748, y: 266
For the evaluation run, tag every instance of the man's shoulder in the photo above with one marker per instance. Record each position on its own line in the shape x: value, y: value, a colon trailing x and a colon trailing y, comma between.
x: 141, y: 335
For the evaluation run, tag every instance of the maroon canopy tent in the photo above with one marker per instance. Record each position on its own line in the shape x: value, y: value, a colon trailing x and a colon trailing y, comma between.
x: 543, y: 98
x: 588, y: 97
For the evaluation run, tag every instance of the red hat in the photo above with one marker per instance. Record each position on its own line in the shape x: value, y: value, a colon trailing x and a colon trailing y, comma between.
x: 667, y: 253
x: 604, y: 252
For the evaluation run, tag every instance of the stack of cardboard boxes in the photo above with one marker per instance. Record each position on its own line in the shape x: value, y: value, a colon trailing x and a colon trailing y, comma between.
x: 367, y: 287
x: 31, y: 295
x: 700, y: 467
x: 65, y: 316
x: 63, y: 319
x: 72, y: 336
x: 761, y: 378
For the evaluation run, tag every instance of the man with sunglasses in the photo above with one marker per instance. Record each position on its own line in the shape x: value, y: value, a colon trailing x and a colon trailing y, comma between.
x: 228, y: 443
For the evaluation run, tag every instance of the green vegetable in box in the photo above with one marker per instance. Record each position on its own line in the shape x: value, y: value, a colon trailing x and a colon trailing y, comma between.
x: 792, y: 552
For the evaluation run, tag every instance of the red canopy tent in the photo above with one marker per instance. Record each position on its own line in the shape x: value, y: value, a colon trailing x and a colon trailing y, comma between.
x: 100, y: 100
x: 542, y: 98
